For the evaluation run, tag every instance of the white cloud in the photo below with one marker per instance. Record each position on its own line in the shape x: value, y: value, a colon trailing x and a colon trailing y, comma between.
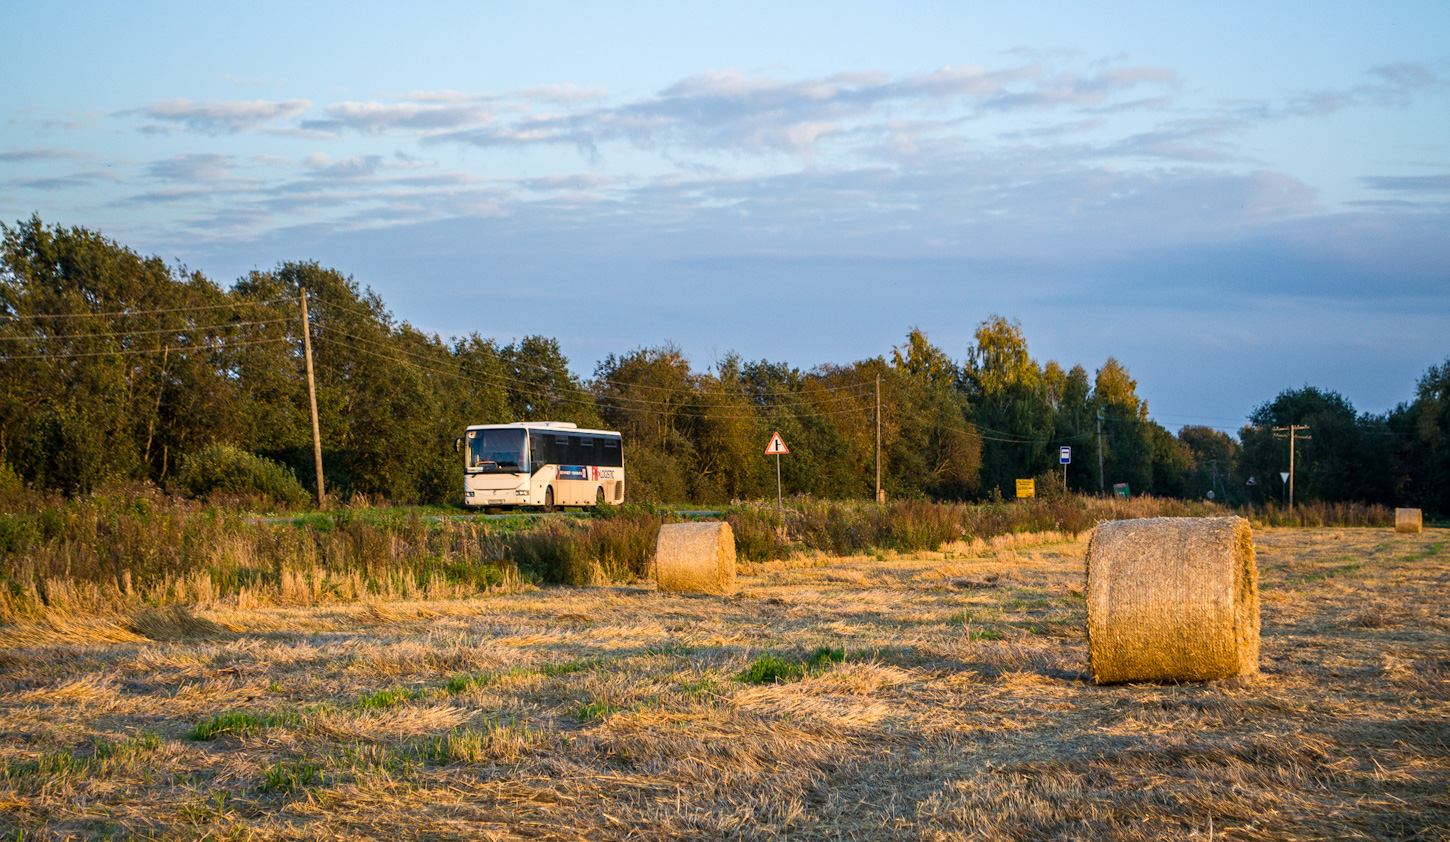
x: 223, y: 116
x: 563, y: 94
x: 376, y: 117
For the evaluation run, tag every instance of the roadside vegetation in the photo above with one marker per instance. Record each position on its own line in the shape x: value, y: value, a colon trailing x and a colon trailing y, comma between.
x: 133, y: 548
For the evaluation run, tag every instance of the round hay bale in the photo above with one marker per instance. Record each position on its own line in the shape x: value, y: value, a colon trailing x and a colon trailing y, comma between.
x: 696, y: 558
x: 1172, y: 599
x: 1408, y: 520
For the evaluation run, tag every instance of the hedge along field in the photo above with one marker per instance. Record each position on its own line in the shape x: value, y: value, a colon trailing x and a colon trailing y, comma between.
x: 133, y: 547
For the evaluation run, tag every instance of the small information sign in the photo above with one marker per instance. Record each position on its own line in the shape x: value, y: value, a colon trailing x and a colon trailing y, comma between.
x: 1064, y: 455
x: 1026, y: 488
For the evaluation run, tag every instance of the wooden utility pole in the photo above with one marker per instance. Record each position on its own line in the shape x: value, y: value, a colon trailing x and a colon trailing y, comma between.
x: 1101, y: 487
x: 879, y: 498
x: 312, y: 396
x: 1291, y: 433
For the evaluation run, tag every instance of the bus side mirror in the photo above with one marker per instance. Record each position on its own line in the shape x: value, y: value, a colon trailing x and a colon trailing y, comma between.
x: 458, y: 445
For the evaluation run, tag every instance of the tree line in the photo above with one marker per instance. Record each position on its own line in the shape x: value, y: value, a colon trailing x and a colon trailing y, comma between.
x: 116, y: 367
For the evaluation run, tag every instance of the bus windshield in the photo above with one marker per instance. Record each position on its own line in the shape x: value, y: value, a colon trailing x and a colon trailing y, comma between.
x: 496, y: 451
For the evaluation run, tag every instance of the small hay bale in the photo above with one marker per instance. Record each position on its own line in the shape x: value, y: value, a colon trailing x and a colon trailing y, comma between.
x: 1172, y: 599
x: 696, y: 558
x: 1408, y: 520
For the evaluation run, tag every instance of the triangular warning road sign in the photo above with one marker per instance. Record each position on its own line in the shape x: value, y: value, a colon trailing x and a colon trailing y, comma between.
x: 776, y: 446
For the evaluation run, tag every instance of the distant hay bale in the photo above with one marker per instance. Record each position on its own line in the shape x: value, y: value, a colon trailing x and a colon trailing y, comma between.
x: 696, y: 558
x: 1172, y: 599
x: 1408, y: 520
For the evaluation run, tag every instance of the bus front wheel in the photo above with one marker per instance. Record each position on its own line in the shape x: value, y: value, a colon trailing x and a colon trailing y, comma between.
x: 548, y: 499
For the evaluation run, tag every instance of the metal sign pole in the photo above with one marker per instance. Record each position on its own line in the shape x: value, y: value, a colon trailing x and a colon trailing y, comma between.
x: 778, y: 507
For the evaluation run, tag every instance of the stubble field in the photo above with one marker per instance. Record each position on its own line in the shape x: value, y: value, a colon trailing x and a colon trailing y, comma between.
x: 931, y: 696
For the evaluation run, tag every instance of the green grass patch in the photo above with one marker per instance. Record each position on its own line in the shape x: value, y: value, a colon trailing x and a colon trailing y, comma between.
x: 597, y: 710
x: 237, y: 722
x: 986, y: 634
x: 285, y: 777
x: 391, y: 697
x: 104, y: 757
x: 771, y: 669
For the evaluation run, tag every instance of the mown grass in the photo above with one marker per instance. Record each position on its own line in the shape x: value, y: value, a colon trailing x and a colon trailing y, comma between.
x: 905, y: 697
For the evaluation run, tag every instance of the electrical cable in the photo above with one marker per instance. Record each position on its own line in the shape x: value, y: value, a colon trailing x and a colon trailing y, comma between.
x: 18, y: 317
x: 192, y: 329
x: 129, y: 351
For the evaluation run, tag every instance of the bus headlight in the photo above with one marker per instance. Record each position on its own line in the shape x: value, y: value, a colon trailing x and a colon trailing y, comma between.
x: 522, y: 492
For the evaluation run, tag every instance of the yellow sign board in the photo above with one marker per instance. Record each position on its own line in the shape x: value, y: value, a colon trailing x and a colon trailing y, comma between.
x: 1026, y: 488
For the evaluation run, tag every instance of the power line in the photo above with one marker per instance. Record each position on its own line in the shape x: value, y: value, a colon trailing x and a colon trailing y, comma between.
x: 22, y: 317
x: 191, y: 329
x: 128, y: 351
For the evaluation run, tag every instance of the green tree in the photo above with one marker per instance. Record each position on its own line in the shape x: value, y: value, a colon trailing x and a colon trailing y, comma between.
x: 1074, y: 422
x: 935, y: 444
x: 1128, y: 437
x: 540, y: 385
x: 1346, y: 457
x: 1423, y: 428
x: 1215, y: 457
x: 648, y: 395
x: 728, y: 435
x: 1009, y: 406
x: 114, y: 364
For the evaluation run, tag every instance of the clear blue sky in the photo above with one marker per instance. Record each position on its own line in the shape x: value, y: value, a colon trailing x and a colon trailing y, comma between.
x: 1231, y: 198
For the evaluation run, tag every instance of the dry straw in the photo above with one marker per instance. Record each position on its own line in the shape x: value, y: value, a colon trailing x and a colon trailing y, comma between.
x: 1172, y: 599
x: 696, y: 558
x: 1408, y: 520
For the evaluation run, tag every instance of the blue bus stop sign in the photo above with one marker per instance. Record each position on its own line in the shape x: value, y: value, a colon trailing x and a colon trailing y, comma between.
x: 1064, y: 455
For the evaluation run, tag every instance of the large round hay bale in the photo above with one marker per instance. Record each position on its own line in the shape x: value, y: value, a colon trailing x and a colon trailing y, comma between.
x: 696, y: 558
x: 1172, y: 599
x: 1408, y: 520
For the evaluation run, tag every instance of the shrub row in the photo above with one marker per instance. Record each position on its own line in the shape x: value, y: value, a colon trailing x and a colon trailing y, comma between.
x: 134, y: 544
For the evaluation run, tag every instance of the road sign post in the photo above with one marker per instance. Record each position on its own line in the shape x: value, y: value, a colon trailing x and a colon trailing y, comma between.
x: 776, y: 448
x: 1064, y: 455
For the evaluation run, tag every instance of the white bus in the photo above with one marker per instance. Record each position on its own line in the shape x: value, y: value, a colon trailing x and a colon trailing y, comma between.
x: 542, y: 464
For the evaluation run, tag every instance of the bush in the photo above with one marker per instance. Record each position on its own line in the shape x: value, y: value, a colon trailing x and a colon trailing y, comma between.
x: 224, y: 470
x: 9, y: 480
x: 759, y: 535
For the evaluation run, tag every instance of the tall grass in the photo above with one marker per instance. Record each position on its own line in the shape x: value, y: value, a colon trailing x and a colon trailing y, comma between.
x: 133, y: 547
